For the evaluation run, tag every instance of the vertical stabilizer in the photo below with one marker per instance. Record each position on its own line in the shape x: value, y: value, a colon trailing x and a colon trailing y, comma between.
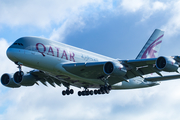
x: 152, y: 46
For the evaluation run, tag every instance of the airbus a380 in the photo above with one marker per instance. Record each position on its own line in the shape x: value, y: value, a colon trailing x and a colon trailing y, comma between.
x: 60, y: 64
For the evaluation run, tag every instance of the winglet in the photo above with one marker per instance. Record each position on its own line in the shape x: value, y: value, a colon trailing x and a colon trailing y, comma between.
x: 152, y: 46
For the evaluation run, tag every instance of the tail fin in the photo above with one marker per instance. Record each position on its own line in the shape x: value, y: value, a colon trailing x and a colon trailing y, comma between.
x: 152, y: 46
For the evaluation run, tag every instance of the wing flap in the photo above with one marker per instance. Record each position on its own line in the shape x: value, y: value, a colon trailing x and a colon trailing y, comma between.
x: 164, y: 78
x: 43, y: 78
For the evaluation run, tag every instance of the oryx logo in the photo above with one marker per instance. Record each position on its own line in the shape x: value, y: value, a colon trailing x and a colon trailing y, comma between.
x: 150, y: 51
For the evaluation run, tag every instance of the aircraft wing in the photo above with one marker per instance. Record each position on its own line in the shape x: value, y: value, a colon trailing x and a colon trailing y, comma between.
x: 95, y: 70
x: 134, y: 68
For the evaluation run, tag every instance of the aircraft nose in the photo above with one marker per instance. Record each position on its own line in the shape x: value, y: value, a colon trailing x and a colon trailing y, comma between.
x: 11, y: 54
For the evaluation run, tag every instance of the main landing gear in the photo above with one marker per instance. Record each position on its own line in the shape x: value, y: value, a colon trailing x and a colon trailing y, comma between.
x: 101, y: 90
x: 67, y: 92
x: 104, y: 89
x: 85, y: 92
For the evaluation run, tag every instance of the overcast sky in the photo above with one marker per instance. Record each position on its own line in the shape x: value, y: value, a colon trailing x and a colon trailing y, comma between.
x: 117, y: 29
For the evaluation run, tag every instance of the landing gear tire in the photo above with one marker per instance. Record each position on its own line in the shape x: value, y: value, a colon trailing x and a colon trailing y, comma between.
x: 71, y: 91
x: 79, y: 93
x: 95, y: 92
x: 67, y: 92
x: 91, y: 92
x: 106, y: 90
x: 109, y: 87
x: 63, y: 92
x: 99, y: 91
x: 87, y: 92
x: 83, y: 93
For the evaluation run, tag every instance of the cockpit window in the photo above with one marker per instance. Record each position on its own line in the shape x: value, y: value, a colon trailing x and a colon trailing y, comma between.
x: 20, y: 44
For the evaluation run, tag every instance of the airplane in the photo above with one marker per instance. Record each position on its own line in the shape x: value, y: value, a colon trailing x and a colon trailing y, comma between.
x: 60, y: 64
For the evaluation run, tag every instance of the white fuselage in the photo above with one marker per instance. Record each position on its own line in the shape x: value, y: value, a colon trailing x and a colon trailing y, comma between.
x: 49, y: 56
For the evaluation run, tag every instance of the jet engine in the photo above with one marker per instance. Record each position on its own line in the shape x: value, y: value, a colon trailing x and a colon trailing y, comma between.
x: 114, y: 68
x: 7, y: 80
x: 166, y: 64
x: 16, y: 80
x: 25, y: 80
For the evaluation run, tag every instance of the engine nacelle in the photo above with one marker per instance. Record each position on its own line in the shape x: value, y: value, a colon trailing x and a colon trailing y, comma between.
x: 114, y: 68
x: 166, y: 64
x: 25, y: 80
x: 7, y: 80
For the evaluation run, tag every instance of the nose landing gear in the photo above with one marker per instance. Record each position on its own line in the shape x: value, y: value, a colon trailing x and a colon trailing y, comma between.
x: 20, y: 72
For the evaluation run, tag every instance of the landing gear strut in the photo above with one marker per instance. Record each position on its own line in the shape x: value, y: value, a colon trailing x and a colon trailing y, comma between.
x: 106, y: 88
x: 20, y: 73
